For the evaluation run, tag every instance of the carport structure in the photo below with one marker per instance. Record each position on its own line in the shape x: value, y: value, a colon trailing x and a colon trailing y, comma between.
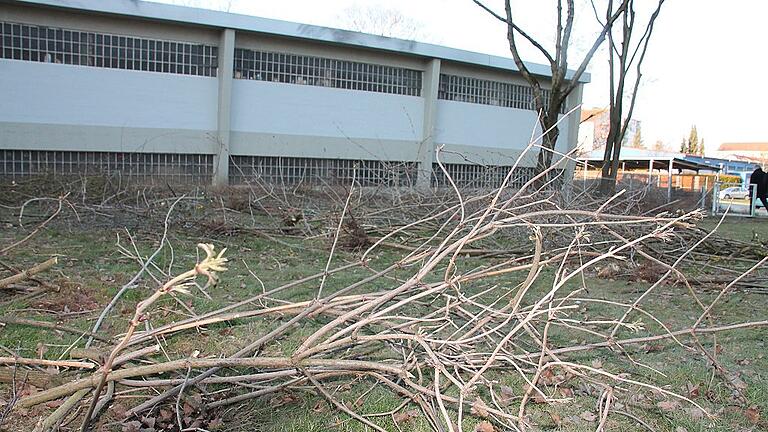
x: 635, y: 159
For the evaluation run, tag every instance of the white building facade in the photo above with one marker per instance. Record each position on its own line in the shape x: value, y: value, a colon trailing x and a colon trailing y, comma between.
x: 146, y: 90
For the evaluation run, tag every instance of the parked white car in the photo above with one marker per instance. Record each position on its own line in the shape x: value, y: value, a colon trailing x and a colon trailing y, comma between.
x: 734, y: 193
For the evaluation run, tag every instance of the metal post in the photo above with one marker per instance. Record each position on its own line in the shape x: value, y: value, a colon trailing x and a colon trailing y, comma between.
x: 669, y: 181
x: 650, y: 172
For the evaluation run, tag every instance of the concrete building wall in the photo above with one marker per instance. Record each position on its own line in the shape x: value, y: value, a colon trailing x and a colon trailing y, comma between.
x: 490, y: 127
x: 275, y: 119
x: 47, y: 106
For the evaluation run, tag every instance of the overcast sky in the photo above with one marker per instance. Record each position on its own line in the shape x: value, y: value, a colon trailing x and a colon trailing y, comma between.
x: 706, y: 64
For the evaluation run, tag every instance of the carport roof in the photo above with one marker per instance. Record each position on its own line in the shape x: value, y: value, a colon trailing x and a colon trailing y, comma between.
x: 633, y: 158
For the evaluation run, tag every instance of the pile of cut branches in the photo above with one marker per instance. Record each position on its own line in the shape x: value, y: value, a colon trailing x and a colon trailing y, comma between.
x: 433, y: 328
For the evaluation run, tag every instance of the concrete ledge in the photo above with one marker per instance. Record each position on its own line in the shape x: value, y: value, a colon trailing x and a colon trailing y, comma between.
x: 54, y: 137
x: 266, y: 144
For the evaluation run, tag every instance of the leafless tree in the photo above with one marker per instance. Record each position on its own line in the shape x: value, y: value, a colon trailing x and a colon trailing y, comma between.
x: 380, y: 21
x: 624, y: 53
x: 562, y: 82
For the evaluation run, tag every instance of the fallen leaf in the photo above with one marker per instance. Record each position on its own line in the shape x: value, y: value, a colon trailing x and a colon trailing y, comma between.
x: 41, y: 350
x: 670, y: 405
x: 215, y: 423
x: 484, y: 426
x: 588, y: 416
x: 566, y: 392
x: 711, y: 395
x: 649, y: 348
x: 54, y: 404
x: 556, y: 419
x: 165, y: 415
x: 681, y: 429
x: 737, y: 382
x: 695, y: 413
x: 320, y: 406
x: 753, y: 414
x: 597, y: 363
x: 693, y: 390
x: 547, y: 377
x: 479, y: 409
x: 196, y: 399
x: 405, y: 416
x: 282, y: 400
x: 609, y: 271
x: 507, y: 395
x: 133, y: 426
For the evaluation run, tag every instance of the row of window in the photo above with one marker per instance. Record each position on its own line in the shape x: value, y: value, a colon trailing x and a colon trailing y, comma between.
x: 325, y: 72
x: 198, y: 169
x: 57, y: 45
x: 487, y: 176
x: 487, y: 92
x: 182, y: 168
x: 314, y: 171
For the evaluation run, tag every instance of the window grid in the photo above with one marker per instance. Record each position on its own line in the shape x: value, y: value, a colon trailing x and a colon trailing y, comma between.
x: 315, y: 171
x: 325, y: 72
x: 75, y: 47
x: 486, y: 92
x: 480, y: 176
x: 178, y: 168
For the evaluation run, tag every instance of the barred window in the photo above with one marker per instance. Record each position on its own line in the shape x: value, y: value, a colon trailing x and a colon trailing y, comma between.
x: 178, y: 168
x: 486, y: 92
x: 480, y: 176
x: 325, y: 72
x: 74, y: 47
x: 315, y: 171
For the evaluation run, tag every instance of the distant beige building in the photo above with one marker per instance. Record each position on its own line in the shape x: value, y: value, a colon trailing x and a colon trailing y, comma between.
x: 756, y: 152
x: 594, y: 126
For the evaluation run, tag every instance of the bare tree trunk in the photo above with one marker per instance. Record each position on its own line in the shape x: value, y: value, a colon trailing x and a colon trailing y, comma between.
x: 548, y: 141
x: 621, y: 58
x: 561, y: 84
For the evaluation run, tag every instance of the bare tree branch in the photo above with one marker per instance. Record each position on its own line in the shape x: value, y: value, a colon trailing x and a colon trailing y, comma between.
x: 519, y: 30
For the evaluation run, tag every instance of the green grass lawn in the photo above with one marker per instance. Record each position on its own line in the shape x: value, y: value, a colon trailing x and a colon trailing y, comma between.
x: 91, y: 270
x: 739, y: 228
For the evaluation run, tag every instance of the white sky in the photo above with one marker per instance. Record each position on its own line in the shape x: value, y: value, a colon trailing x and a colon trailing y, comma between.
x: 705, y: 66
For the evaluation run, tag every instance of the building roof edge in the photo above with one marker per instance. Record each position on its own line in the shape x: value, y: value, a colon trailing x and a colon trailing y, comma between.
x: 218, y: 19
